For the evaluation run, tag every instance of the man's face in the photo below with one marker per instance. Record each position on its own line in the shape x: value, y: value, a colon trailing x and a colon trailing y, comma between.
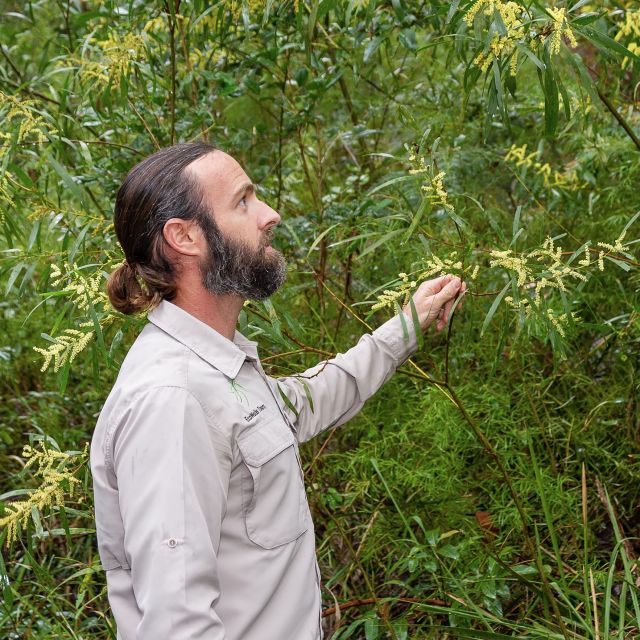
x: 240, y: 258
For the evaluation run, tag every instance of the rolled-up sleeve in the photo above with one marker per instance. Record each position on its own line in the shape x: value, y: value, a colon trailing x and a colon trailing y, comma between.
x: 172, y: 466
x: 333, y: 391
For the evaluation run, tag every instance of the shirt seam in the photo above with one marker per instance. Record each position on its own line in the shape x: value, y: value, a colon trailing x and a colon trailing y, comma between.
x: 108, y: 439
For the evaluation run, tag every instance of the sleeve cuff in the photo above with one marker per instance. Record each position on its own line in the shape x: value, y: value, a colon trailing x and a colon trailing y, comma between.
x: 392, y: 334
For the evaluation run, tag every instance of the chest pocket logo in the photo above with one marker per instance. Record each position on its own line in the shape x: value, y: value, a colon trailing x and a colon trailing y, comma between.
x: 273, y: 499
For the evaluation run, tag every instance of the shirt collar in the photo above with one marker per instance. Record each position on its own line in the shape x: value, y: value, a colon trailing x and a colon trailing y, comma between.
x: 206, y: 342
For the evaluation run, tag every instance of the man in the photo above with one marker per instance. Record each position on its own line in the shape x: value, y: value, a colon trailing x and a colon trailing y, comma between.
x: 203, y: 525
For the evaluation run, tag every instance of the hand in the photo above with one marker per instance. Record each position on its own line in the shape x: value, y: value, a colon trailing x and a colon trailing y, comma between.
x: 434, y: 299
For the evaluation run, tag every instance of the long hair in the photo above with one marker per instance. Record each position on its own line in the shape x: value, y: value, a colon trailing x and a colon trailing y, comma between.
x: 154, y: 191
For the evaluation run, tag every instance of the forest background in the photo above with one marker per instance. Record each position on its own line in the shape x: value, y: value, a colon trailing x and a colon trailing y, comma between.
x: 490, y: 490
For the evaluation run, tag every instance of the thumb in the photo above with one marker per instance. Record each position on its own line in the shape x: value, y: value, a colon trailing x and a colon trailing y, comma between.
x: 448, y: 291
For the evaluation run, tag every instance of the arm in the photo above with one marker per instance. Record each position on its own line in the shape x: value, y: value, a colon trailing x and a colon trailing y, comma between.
x: 172, y: 467
x: 339, y: 387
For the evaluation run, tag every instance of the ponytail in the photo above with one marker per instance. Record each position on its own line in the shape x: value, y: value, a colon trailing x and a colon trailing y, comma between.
x: 138, y: 288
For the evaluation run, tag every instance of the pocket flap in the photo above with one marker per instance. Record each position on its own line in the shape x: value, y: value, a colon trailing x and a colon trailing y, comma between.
x: 262, y: 442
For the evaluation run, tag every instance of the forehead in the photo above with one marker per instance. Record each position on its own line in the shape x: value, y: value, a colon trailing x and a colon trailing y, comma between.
x: 219, y: 175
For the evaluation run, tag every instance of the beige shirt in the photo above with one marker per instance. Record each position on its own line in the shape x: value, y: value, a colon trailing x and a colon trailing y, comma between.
x: 203, y: 525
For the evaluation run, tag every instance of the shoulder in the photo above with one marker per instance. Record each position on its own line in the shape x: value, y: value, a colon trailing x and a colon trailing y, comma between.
x: 159, y: 413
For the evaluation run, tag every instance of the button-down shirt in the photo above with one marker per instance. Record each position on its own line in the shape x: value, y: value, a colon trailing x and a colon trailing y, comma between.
x: 203, y: 524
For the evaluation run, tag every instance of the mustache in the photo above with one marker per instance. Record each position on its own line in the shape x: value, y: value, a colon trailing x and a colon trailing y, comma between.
x: 267, y: 238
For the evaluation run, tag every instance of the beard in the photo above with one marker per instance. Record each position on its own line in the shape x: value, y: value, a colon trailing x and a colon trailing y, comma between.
x: 233, y: 267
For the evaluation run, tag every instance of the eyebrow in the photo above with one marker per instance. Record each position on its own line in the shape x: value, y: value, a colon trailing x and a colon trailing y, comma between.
x: 247, y: 187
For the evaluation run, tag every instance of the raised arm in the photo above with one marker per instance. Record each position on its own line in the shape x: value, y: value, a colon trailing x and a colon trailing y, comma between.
x: 172, y: 467
x: 333, y: 391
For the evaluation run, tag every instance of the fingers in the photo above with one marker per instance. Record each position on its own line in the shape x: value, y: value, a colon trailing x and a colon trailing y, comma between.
x: 449, y: 291
x: 452, y: 291
x: 431, y: 287
x: 435, y: 299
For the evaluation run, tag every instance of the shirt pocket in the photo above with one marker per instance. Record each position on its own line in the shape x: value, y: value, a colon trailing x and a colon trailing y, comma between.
x: 273, y: 498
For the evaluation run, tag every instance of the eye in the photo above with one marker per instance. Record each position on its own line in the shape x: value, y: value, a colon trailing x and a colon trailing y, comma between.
x: 243, y: 201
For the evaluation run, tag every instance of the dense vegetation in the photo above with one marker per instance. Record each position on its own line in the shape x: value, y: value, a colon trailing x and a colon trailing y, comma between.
x: 491, y: 488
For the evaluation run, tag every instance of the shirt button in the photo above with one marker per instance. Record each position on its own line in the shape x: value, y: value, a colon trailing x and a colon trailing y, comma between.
x: 172, y: 543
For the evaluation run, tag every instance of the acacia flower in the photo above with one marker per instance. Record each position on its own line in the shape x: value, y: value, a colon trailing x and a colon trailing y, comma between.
x: 560, y: 29
x: 508, y: 260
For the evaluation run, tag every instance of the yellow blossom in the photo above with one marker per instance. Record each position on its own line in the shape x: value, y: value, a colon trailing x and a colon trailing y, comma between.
x: 502, y: 44
x: 560, y: 29
x: 433, y: 185
x: 56, y: 479
x: 567, y: 179
x: 558, y: 321
x: 116, y: 54
x: 84, y: 291
x: 64, y: 348
x: 510, y: 261
x: 631, y: 26
x: 32, y: 124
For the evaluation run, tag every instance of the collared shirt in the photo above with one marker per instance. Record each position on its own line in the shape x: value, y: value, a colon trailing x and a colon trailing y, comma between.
x: 203, y: 524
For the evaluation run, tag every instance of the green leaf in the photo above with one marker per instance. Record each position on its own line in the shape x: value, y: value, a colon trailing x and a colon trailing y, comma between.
x: 494, y: 307
x: 424, y: 206
x: 551, y: 101
x: 607, y: 43
x: 371, y: 629
x: 417, y: 329
x: 623, y: 265
x: 307, y: 393
x: 66, y: 178
x: 382, y: 240
x: 317, y: 241
x: 372, y: 47
x: 628, y: 225
x: 407, y: 38
x: 388, y: 183
x: 403, y: 321
x: 287, y: 401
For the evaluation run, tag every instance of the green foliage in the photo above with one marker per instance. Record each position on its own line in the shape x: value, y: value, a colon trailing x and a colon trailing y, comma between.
x: 490, y: 489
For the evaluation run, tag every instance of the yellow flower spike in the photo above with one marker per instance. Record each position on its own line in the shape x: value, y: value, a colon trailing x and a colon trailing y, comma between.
x: 560, y: 29
x: 56, y: 479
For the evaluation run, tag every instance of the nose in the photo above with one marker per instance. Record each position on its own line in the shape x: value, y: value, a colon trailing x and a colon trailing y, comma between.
x: 268, y: 217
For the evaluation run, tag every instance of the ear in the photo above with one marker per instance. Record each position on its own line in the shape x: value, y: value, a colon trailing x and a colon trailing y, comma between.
x: 184, y: 236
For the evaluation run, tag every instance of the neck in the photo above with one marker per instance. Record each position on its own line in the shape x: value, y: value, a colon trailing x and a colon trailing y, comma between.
x: 219, y: 312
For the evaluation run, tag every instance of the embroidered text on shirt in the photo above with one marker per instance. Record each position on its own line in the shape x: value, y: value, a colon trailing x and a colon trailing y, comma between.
x: 254, y: 413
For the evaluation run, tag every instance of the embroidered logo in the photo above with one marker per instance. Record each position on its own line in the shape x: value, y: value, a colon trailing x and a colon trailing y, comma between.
x: 238, y: 391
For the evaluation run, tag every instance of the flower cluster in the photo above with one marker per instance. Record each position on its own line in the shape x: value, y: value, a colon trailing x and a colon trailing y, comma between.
x: 116, y: 54
x: 538, y: 269
x: 85, y: 293
x: 32, y: 126
x: 65, y: 347
x: 537, y: 273
x: 433, y: 185
x: 564, y: 180
x: 391, y: 297
x: 433, y: 266
x: 236, y: 6
x: 630, y: 30
x: 560, y: 28
x: 56, y: 479
x: 505, y: 36
x: 616, y: 247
